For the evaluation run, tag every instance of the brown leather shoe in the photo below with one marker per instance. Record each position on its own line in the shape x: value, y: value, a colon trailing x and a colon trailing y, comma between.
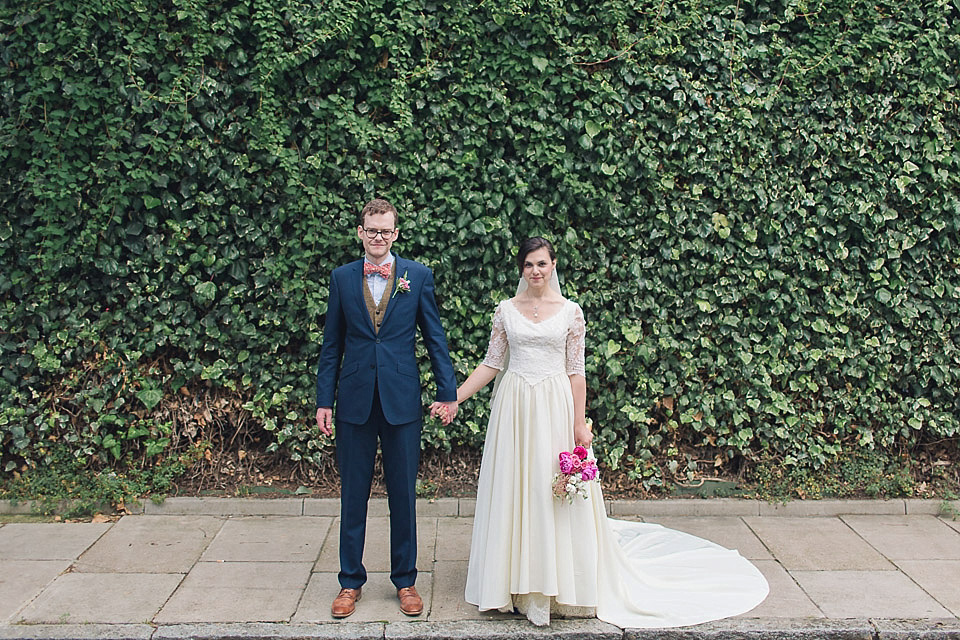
x: 410, y: 601
x: 345, y: 603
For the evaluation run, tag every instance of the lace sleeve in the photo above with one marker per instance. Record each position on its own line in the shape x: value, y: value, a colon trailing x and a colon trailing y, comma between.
x: 497, y: 349
x: 576, y: 343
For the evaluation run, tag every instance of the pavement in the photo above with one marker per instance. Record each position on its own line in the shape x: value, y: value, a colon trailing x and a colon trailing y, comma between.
x: 225, y: 568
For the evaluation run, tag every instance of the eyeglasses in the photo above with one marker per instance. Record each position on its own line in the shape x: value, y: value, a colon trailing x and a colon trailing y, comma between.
x: 386, y: 234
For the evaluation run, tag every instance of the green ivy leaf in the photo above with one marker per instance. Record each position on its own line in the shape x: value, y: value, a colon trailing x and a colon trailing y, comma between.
x: 632, y: 332
x: 182, y: 207
x: 205, y: 291
x: 150, y: 397
x: 611, y: 348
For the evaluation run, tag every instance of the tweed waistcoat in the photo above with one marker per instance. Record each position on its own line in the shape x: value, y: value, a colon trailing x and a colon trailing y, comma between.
x: 376, y: 311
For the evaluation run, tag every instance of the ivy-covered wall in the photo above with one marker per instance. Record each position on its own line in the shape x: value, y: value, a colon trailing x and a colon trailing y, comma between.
x: 756, y: 204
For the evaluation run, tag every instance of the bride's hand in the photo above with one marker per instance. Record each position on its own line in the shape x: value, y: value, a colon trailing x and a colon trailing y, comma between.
x: 445, y: 411
x: 582, y: 435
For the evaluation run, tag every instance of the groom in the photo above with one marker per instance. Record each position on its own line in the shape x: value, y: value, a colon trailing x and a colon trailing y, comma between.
x: 367, y: 363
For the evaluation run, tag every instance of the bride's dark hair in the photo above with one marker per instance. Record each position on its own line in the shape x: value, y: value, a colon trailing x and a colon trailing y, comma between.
x: 532, y: 244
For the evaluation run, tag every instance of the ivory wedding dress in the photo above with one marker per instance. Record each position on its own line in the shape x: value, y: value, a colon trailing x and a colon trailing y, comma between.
x: 543, y: 555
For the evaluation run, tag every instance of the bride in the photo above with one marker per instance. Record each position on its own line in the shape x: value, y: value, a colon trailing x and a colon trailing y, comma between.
x: 539, y: 554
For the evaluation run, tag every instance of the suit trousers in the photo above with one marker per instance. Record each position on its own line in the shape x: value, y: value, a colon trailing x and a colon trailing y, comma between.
x: 356, y: 453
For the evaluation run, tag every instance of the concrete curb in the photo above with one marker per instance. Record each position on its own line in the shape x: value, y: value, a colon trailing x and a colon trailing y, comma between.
x: 763, y: 629
x: 730, y: 629
x: 264, y: 631
x: 465, y: 507
x: 76, y: 632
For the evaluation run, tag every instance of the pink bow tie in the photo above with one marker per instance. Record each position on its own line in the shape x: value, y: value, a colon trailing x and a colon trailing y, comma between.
x: 382, y: 270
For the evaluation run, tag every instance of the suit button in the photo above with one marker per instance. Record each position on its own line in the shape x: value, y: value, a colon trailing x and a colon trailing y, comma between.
x: 378, y: 340
x: 373, y: 366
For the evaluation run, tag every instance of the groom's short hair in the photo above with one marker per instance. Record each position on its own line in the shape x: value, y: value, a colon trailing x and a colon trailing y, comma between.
x: 378, y: 205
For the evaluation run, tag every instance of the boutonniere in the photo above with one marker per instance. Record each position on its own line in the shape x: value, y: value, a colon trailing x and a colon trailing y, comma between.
x: 403, y: 285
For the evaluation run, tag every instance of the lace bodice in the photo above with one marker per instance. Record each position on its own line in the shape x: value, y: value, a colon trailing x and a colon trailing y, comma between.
x: 537, y: 350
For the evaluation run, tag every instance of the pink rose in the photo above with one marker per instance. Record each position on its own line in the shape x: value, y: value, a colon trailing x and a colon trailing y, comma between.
x: 576, y: 464
x: 589, y: 471
x: 580, y: 452
x: 566, y: 462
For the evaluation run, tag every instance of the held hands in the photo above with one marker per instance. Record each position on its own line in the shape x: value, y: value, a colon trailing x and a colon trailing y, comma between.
x: 443, y: 410
x: 325, y: 420
x: 446, y: 411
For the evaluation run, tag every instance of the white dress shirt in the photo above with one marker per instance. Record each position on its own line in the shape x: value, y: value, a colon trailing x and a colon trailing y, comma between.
x: 376, y: 283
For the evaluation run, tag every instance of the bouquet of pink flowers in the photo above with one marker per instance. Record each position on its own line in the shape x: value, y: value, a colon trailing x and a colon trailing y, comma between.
x: 575, y: 472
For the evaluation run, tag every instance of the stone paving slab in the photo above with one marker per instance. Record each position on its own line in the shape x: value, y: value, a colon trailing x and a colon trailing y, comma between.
x: 378, y: 600
x: 873, y: 594
x: 40, y: 541
x: 376, y: 550
x: 896, y: 537
x: 454, y: 536
x: 449, y: 583
x: 110, y: 598
x: 923, y: 590
x: 786, y: 599
x: 816, y: 544
x: 159, y: 544
x: 22, y: 580
x: 269, y: 539
x: 727, y: 531
x: 237, y: 592
x: 933, y: 576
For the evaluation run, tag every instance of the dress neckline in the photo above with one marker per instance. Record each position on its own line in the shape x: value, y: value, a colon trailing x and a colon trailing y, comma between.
x: 563, y: 305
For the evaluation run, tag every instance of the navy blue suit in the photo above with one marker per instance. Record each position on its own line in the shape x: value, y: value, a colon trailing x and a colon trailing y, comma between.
x: 373, y: 381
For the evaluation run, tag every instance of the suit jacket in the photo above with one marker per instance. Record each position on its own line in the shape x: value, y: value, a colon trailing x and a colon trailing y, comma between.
x: 354, y: 357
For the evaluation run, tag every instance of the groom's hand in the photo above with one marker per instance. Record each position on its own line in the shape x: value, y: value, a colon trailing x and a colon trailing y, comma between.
x: 325, y: 420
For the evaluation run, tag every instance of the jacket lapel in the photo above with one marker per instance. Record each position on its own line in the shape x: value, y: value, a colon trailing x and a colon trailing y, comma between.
x: 394, y: 293
x: 356, y: 284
